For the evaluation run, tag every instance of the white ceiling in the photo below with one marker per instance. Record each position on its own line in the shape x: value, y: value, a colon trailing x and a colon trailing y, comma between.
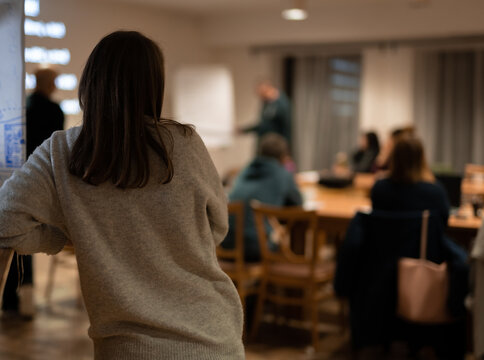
x: 208, y: 7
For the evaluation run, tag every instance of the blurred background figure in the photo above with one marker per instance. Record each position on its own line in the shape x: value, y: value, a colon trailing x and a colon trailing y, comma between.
x: 363, y: 159
x: 382, y: 161
x: 265, y: 179
x: 275, y: 114
x: 44, y: 116
x: 410, y: 184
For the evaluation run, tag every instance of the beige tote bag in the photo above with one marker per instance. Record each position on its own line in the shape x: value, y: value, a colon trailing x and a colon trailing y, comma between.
x: 423, y: 286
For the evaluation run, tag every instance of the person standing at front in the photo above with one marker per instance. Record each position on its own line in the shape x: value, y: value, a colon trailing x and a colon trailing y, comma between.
x: 44, y: 116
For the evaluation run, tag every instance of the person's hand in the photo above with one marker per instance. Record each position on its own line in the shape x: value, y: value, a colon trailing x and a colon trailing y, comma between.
x: 238, y: 131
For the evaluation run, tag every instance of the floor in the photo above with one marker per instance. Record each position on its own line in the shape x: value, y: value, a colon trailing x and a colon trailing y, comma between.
x: 59, y: 329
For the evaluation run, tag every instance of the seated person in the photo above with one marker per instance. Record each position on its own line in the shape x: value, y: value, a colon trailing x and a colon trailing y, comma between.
x: 265, y: 179
x: 383, y: 158
x: 364, y: 158
x: 410, y: 184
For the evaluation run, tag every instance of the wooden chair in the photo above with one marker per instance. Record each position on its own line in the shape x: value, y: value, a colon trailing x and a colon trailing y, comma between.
x: 62, y: 259
x: 284, y: 270
x: 246, y: 276
x: 473, y: 170
x: 6, y: 256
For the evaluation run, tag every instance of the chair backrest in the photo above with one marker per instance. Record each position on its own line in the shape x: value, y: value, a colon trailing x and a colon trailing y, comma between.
x: 235, y: 209
x: 367, y: 267
x: 288, y: 224
x: 5, y: 261
x: 452, y: 183
x: 473, y: 170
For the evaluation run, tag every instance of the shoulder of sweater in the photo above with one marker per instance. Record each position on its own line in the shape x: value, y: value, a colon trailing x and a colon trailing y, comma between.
x: 68, y: 136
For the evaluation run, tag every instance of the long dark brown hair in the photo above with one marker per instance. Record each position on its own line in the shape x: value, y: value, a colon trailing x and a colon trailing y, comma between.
x: 407, y: 161
x: 121, y: 94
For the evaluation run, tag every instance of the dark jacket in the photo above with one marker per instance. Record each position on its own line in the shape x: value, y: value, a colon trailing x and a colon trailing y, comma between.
x: 367, y: 275
x: 43, y: 118
x: 390, y: 196
x: 363, y: 160
x: 275, y: 117
x: 267, y: 181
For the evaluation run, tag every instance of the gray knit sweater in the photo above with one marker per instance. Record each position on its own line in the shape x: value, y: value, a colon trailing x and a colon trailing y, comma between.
x: 150, y: 279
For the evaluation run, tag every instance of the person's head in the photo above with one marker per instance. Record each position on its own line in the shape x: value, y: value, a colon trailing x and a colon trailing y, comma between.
x: 407, y: 161
x: 267, y: 91
x: 274, y: 146
x: 45, y: 81
x: 369, y: 141
x: 403, y: 131
x: 372, y: 141
x: 121, y: 93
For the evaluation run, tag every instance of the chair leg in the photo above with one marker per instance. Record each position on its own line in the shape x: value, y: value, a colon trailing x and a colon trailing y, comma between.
x: 314, y: 309
x: 258, y: 310
x: 80, y: 300
x: 342, y: 315
x: 50, y: 279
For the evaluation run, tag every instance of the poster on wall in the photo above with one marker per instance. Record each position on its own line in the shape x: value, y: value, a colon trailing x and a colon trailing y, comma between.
x: 12, y: 109
x: 204, y: 97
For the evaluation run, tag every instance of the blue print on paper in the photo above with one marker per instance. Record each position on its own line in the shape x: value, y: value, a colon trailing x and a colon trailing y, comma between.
x: 14, y: 141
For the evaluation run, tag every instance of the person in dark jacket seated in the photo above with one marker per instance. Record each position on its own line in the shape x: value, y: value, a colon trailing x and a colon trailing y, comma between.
x: 265, y: 179
x: 363, y: 159
x: 367, y: 260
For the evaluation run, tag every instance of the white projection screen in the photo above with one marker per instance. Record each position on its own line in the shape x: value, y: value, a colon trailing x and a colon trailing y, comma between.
x: 204, y: 97
x: 12, y: 109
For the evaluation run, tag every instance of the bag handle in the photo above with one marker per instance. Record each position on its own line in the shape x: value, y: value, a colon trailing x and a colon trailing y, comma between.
x: 423, y: 234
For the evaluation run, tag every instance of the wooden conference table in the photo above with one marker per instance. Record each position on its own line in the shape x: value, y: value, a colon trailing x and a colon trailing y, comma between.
x: 336, y: 207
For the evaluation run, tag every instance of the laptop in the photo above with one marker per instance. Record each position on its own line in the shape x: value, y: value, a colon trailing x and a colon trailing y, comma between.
x: 452, y: 184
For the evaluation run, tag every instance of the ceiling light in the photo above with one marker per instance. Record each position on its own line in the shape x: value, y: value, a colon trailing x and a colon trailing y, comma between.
x: 296, y: 11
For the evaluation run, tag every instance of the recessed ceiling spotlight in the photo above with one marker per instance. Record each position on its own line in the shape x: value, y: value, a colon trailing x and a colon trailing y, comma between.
x: 296, y: 11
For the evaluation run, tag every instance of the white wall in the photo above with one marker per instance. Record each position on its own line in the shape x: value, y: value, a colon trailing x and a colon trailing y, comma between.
x: 337, y: 21
x: 247, y: 68
x: 387, y: 92
x: 226, y: 38
x: 87, y: 21
x: 388, y: 75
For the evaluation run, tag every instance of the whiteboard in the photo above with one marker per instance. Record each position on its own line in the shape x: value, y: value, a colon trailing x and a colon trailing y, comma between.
x: 204, y: 97
x: 12, y: 108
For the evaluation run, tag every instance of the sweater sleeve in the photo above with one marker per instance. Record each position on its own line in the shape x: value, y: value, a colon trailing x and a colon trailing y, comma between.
x: 216, y: 201
x: 31, y: 218
x: 218, y: 216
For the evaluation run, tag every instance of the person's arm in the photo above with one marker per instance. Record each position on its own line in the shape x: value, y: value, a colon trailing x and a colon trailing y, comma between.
x: 31, y: 219
x: 293, y: 195
x: 364, y: 162
x: 216, y: 200
x: 249, y: 129
x: 445, y: 204
x: 217, y: 213
x: 376, y: 194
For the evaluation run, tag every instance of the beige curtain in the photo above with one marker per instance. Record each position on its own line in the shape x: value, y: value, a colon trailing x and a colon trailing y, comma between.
x: 325, y: 118
x: 449, y: 103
